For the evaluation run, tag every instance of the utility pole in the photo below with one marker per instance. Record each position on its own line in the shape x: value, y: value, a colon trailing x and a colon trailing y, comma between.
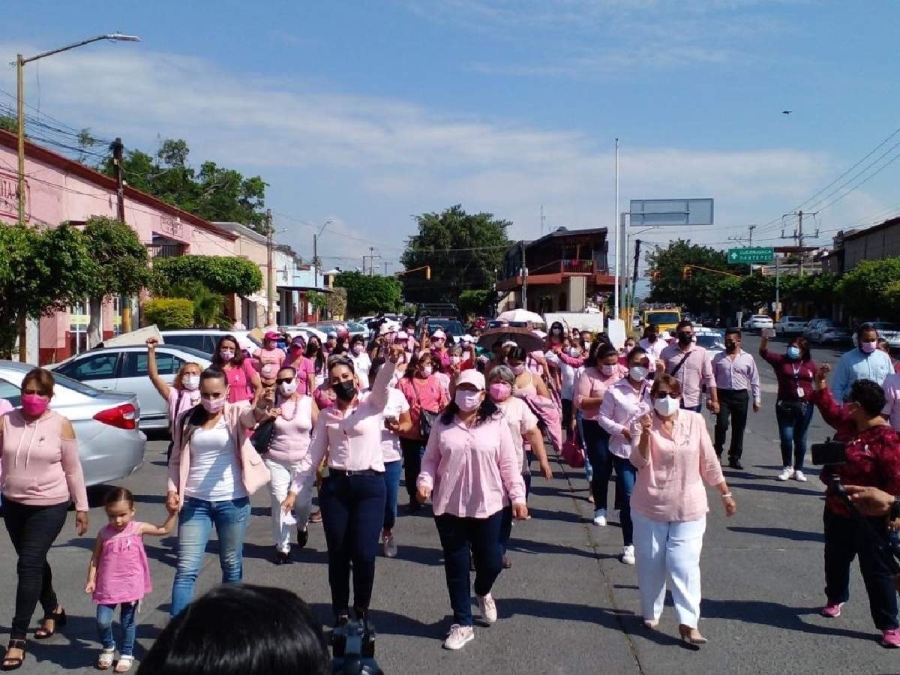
x: 634, y: 278
x: 524, y: 279
x: 118, y: 150
x: 315, y: 261
x: 799, y: 236
x: 385, y: 268
x: 270, y: 255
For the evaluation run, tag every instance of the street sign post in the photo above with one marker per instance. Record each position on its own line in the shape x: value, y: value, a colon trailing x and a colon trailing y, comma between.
x: 751, y: 255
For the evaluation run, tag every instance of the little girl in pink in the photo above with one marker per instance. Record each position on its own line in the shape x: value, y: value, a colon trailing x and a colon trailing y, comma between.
x: 119, y: 574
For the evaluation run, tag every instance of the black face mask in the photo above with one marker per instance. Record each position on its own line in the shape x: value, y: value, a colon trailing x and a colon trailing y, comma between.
x: 730, y: 347
x: 684, y: 338
x: 651, y: 338
x: 345, y: 390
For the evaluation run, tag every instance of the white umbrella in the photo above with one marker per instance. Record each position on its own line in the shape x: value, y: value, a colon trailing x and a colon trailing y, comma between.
x: 521, y: 316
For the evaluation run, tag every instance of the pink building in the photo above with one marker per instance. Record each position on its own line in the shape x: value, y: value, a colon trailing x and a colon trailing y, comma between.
x: 58, y: 190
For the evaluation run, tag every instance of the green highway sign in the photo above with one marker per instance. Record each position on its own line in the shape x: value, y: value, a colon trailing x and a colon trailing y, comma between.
x: 752, y: 255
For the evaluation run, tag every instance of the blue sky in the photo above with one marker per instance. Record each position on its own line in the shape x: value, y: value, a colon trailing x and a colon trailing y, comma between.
x: 369, y: 112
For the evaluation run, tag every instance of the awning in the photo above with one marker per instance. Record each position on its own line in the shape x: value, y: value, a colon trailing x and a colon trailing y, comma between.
x: 262, y: 300
x: 305, y: 288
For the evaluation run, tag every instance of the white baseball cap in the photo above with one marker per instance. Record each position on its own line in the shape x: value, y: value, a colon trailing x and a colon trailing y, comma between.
x: 471, y: 376
x: 439, y: 335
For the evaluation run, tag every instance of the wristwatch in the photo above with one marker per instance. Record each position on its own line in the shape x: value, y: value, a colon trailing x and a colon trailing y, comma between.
x: 894, y: 513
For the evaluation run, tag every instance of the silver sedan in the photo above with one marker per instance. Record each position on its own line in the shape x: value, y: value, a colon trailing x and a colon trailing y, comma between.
x: 110, y: 444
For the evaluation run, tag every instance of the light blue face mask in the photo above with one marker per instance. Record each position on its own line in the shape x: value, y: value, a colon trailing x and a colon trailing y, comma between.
x: 793, y: 353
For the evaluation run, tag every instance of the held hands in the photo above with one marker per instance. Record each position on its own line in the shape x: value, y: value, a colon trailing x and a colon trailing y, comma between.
x: 423, y: 494
x: 822, y: 373
x: 288, y: 504
x: 626, y: 433
x: 712, y: 406
x: 81, y: 523
x: 520, y: 511
x: 172, y: 502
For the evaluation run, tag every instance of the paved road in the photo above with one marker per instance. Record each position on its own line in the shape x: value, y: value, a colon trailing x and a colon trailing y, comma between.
x: 567, y: 605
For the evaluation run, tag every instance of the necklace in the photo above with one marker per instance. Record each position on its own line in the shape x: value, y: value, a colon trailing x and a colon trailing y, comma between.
x: 284, y: 409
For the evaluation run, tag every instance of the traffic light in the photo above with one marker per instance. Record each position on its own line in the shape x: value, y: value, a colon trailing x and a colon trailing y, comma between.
x: 687, y: 273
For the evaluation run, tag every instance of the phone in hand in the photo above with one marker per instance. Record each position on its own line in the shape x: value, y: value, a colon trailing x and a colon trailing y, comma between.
x: 768, y: 332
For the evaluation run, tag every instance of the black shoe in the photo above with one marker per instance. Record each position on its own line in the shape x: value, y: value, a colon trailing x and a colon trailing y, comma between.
x: 302, y: 538
x: 735, y: 464
x: 413, y: 507
x: 282, y: 558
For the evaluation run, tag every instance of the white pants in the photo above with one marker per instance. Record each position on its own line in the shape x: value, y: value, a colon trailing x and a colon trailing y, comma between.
x: 282, y: 474
x: 669, y: 550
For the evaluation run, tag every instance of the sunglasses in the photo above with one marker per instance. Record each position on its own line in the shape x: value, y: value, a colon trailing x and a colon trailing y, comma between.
x: 284, y: 380
x: 663, y: 394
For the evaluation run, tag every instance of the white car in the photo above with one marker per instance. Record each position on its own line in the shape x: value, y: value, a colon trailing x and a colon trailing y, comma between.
x: 110, y: 442
x: 305, y: 332
x: 790, y: 325
x: 124, y: 369
x: 758, y: 322
x: 205, y: 339
x: 713, y: 341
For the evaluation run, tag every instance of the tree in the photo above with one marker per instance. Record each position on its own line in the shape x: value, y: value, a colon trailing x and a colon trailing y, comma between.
x: 464, y: 252
x: 368, y: 294
x: 169, y: 313
x: 697, y: 290
x: 214, y: 193
x: 121, y: 266
x: 208, y: 306
x: 41, y: 271
x: 9, y: 123
x: 476, y: 303
x: 755, y: 291
x: 866, y: 288
x: 220, y: 274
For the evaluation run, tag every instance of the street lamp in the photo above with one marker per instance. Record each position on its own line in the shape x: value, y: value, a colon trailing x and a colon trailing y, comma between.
x: 316, y: 252
x: 20, y: 99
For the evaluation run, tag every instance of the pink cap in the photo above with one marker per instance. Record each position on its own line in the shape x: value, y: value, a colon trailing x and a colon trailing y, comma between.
x: 272, y: 335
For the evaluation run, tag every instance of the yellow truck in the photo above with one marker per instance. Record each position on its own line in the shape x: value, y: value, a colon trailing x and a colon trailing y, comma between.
x: 664, y: 319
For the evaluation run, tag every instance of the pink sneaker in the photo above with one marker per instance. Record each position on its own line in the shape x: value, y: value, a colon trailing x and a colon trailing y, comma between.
x: 891, y: 637
x: 832, y: 610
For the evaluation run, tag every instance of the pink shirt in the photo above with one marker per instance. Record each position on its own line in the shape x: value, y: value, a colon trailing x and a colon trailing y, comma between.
x: 593, y: 384
x: 622, y: 404
x: 891, y: 386
x: 276, y: 356
x: 351, y: 439
x: 669, y: 486
x: 179, y: 402
x: 239, y: 382
x: 695, y: 372
x: 39, y: 468
x: 471, y: 470
x: 123, y: 573
x: 427, y: 394
x: 5, y: 407
x: 290, y: 441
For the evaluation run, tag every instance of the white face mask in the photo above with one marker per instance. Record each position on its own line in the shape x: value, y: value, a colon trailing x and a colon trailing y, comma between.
x: 608, y: 370
x: 574, y: 352
x: 639, y: 373
x: 666, y: 407
x: 454, y: 360
x: 467, y: 400
x: 357, y: 349
x: 427, y: 370
x: 191, y: 382
x: 288, y: 388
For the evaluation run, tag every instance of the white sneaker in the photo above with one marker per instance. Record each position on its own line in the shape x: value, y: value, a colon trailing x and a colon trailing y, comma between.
x: 600, y: 517
x: 786, y: 473
x: 390, y: 546
x: 628, y: 555
x: 459, y: 637
x: 798, y: 476
x: 487, y: 607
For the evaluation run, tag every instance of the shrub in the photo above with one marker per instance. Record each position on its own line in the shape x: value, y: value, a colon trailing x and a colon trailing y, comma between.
x: 169, y: 313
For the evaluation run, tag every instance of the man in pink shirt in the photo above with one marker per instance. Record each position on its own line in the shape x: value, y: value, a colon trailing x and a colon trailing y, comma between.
x: 691, y: 366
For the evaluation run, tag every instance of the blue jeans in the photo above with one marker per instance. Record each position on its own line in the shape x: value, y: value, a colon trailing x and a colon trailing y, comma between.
x: 392, y: 472
x: 352, y: 517
x: 105, y: 614
x: 626, y: 474
x: 457, y: 536
x: 596, y: 442
x: 793, y: 422
x: 195, y: 525
x: 579, y: 426
x: 693, y: 408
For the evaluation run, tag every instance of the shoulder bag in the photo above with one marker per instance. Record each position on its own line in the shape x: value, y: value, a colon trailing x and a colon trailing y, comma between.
x: 426, y: 417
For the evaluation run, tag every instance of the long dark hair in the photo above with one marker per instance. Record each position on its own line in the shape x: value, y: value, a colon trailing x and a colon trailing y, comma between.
x: 803, y: 345
x: 241, y: 629
x: 197, y: 416
x: 238, y: 359
x: 487, y: 410
x: 314, y: 349
x: 413, y: 364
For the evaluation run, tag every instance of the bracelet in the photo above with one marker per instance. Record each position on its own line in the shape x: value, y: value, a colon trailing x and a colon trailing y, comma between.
x: 727, y: 495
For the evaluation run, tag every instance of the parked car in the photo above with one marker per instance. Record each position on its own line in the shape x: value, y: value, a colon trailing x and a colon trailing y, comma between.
x: 124, y: 369
x: 811, y: 328
x: 757, y: 322
x: 357, y: 328
x: 110, y: 443
x: 306, y: 332
x: 790, y: 325
x: 453, y: 328
x: 205, y: 339
x: 828, y: 332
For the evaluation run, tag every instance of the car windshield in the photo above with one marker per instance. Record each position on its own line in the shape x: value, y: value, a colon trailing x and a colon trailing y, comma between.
x: 884, y: 326
x: 454, y: 328
x: 75, y: 385
x: 663, y: 318
x: 710, y: 341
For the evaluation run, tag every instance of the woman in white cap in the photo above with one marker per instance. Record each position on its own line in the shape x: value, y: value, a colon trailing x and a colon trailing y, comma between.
x: 439, y: 347
x: 470, y: 467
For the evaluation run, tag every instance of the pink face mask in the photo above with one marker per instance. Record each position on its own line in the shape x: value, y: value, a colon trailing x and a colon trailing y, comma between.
x: 34, y: 405
x: 500, y: 391
x: 213, y: 405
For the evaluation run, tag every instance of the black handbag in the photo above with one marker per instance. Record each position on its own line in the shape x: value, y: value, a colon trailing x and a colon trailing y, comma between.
x: 426, y: 417
x: 262, y: 436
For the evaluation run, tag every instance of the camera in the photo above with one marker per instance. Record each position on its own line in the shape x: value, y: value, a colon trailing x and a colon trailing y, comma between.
x: 353, y: 649
x: 829, y: 453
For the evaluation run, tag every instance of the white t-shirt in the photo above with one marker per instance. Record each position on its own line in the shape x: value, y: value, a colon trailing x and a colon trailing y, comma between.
x: 390, y: 442
x: 521, y: 420
x: 361, y: 365
x: 214, y: 466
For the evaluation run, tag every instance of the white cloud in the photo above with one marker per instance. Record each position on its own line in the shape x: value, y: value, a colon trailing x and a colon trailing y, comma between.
x: 378, y: 160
